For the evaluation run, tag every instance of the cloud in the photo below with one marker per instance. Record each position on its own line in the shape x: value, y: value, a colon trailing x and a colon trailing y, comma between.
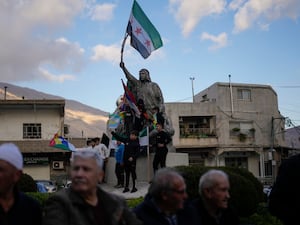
x: 57, y: 78
x: 102, y: 12
x: 188, y: 13
x: 219, y: 41
x: 262, y: 12
x: 26, y: 42
x: 109, y: 53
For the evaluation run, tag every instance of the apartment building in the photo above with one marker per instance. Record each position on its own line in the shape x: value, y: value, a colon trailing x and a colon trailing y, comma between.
x: 31, y: 124
x: 231, y: 124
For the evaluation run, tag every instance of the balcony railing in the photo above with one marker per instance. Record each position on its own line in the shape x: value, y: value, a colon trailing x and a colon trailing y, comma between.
x: 196, y: 133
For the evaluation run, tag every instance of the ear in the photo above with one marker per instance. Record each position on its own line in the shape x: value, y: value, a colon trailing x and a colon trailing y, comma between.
x: 207, y: 192
x: 17, y: 175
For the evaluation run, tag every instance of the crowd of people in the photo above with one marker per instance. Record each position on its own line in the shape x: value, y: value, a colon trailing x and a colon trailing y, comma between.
x: 85, y: 202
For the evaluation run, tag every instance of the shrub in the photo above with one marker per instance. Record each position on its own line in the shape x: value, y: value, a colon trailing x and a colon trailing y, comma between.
x: 41, y: 197
x: 249, y: 176
x: 134, y: 202
x: 27, y: 184
x: 261, y: 217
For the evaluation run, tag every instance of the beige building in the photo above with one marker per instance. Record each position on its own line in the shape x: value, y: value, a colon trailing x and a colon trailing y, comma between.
x: 231, y: 125
x: 31, y: 124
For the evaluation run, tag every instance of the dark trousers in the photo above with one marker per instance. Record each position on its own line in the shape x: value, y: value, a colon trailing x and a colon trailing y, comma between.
x: 130, y: 170
x: 119, y: 171
x: 160, y: 158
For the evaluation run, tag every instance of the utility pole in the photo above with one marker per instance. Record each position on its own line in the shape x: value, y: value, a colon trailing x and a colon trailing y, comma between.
x: 192, y: 80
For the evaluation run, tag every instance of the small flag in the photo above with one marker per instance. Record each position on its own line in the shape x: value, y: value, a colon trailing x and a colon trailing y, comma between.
x: 131, y: 100
x: 114, y: 121
x: 144, y: 36
x: 61, y: 143
x: 144, y: 137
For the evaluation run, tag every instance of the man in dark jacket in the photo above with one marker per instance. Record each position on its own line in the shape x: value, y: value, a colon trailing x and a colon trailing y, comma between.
x: 162, y: 139
x: 213, y: 206
x: 284, y: 199
x: 165, y: 202
x: 131, y: 153
x: 85, y: 203
x: 15, y: 207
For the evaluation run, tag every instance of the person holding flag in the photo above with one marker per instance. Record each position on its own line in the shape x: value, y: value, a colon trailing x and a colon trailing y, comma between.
x: 130, y: 155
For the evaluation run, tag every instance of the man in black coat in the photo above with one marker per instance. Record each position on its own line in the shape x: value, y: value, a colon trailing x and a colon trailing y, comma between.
x: 284, y: 199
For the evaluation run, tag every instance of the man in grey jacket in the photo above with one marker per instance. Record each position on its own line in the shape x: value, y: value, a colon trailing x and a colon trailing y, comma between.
x: 85, y: 203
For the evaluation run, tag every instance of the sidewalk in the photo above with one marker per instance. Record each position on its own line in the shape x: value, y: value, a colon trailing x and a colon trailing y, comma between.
x: 141, y: 192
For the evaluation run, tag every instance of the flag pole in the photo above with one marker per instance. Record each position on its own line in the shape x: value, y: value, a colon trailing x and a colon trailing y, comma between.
x: 148, y: 155
x: 123, y: 44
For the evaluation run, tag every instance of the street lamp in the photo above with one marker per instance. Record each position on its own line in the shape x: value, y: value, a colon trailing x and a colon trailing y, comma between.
x: 192, y: 80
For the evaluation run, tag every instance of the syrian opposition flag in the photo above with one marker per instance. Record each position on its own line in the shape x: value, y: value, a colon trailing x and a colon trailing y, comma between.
x: 144, y: 36
x: 130, y: 100
x: 144, y: 137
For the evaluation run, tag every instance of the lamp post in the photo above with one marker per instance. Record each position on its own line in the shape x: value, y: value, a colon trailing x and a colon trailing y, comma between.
x: 192, y: 80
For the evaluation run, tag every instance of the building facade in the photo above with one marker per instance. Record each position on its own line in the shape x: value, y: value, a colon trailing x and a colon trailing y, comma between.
x: 31, y: 124
x: 231, y: 125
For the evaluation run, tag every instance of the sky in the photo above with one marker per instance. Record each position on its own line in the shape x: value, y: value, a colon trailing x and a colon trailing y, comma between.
x: 71, y: 48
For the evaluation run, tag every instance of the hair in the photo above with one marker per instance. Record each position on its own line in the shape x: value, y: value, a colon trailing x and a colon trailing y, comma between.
x: 210, y: 178
x: 163, y: 182
x: 88, y: 154
x: 135, y: 132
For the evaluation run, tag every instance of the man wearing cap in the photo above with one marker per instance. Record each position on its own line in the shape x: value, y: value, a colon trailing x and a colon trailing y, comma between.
x: 15, y: 206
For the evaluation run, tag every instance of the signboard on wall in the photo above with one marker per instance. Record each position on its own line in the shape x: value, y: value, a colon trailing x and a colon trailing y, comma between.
x: 43, y: 160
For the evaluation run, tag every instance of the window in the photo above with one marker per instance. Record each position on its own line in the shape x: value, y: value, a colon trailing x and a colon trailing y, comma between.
x: 244, y: 94
x: 195, y: 127
x: 240, y: 162
x: 32, y: 131
x: 236, y: 128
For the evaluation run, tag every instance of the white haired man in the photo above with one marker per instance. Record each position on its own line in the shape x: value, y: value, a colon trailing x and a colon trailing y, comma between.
x: 212, y: 205
x: 85, y: 203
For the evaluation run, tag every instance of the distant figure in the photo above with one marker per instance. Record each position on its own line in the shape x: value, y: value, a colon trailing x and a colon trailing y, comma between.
x: 15, y: 207
x: 165, y: 202
x: 162, y: 138
x: 104, y: 152
x: 85, y: 202
x: 119, y: 167
x: 131, y: 153
x: 212, y: 205
x: 284, y: 199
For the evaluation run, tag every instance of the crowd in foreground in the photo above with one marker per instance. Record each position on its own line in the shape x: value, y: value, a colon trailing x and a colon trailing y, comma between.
x: 86, y: 203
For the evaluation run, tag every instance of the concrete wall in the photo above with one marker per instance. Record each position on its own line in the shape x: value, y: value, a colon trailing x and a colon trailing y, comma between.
x: 144, y: 167
x: 12, y: 122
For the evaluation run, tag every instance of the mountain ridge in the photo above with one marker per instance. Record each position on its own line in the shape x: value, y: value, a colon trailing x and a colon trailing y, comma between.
x: 83, y: 120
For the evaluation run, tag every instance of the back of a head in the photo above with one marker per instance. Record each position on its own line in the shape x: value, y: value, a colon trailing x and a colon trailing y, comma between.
x: 88, y: 153
x: 210, y: 178
x: 163, y: 181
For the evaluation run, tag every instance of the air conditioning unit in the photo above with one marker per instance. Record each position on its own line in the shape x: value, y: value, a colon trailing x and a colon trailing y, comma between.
x: 58, y: 165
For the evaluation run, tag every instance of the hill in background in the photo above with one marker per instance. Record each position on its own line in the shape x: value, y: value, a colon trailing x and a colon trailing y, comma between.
x: 83, y: 120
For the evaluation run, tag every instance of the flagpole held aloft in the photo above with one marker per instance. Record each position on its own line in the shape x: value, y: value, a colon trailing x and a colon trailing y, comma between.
x: 123, y: 44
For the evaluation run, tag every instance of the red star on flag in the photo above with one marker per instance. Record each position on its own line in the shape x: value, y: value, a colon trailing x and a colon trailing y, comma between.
x: 138, y: 31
